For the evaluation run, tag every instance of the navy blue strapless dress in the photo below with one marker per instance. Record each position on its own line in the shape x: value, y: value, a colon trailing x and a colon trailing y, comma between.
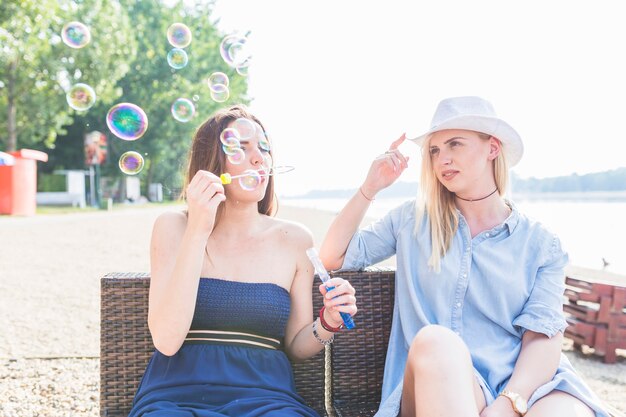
x: 229, y: 364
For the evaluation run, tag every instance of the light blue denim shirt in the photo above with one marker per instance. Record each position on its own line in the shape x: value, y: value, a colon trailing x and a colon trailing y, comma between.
x: 491, y: 289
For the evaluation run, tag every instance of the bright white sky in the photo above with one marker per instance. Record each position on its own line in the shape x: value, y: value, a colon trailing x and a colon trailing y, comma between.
x: 335, y: 81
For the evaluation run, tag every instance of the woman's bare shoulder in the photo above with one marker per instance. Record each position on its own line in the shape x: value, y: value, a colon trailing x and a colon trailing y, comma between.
x: 170, y: 222
x: 292, y: 232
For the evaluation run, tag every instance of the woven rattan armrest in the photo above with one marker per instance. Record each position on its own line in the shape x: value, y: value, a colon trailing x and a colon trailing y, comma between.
x: 126, y: 346
x: 358, y: 356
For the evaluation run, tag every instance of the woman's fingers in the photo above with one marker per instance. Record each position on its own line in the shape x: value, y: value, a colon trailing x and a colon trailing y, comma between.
x: 397, y: 142
x: 201, y: 176
x: 399, y: 159
x: 216, y: 200
x: 402, y: 160
x: 395, y: 162
x: 202, y: 198
x: 323, y: 289
x: 343, y: 299
x: 345, y: 308
x: 341, y: 286
x: 394, y: 159
x: 211, y: 191
x: 204, y: 186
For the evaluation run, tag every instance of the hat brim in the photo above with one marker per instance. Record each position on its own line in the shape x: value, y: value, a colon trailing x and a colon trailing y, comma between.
x: 511, y: 140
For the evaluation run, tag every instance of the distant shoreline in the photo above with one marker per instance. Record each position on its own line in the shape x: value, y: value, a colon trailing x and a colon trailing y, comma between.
x: 606, y: 196
x: 572, y: 196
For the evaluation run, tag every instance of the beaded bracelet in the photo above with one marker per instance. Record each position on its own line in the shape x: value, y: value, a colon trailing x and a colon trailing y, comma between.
x: 325, y: 324
x: 319, y: 339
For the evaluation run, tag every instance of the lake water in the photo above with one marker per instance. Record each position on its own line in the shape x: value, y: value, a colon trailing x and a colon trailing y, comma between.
x: 589, y: 230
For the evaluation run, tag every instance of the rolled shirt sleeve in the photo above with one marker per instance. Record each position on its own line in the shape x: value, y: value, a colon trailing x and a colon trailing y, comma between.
x: 543, y: 311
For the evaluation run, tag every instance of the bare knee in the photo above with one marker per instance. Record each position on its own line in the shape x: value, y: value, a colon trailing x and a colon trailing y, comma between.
x: 435, y: 348
x: 559, y: 403
x: 432, y: 339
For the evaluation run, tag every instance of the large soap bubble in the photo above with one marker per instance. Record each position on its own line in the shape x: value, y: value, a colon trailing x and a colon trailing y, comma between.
x: 127, y: 121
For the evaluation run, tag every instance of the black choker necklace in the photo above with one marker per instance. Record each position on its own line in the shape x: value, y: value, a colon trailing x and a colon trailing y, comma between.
x: 477, y: 199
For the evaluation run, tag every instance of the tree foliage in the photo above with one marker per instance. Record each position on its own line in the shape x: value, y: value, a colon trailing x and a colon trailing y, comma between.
x: 126, y: 61
x: 153, y: 85
x: 37, y: 68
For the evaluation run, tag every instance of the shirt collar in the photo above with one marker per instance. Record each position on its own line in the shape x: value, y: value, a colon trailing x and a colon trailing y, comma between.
x: 510, y: 222
x: 513, y: 219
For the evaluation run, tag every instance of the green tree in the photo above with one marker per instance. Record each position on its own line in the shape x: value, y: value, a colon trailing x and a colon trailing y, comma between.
x: 37, y: 68
x: 153, y: 85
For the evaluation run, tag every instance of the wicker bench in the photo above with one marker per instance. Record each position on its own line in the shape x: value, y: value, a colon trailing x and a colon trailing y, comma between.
x: 344, y: 381
x: 358, y: 356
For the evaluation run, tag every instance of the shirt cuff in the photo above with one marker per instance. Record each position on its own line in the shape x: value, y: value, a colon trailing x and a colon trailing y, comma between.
x: 549, y: 326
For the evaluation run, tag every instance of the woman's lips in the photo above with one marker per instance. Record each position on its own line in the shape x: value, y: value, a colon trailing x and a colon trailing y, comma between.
x: 449, y: 174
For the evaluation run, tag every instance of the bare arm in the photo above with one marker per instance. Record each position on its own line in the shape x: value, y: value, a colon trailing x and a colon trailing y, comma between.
x: 536, y: 364
x: 176, y: 258
x: 383, y: 172
x: 335, y: 244
x: 300, y: 343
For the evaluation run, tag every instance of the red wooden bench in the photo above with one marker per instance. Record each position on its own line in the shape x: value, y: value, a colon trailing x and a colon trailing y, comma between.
x: 596, y: 314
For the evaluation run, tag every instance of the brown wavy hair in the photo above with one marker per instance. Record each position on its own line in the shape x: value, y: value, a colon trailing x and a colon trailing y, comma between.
x: 206, y: 152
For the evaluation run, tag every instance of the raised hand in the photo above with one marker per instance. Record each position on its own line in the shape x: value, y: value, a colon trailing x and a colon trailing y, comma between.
x: 385, y: 169
x: 205, y: 193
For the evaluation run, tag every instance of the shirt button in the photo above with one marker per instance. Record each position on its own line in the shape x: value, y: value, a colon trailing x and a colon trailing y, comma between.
x: 464, y: 275
x: 487, y: 234
x: 458, y: 305
x: 467, y: 250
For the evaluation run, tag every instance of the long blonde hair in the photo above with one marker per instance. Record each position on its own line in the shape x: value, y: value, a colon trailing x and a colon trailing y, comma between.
x: 438, y: 203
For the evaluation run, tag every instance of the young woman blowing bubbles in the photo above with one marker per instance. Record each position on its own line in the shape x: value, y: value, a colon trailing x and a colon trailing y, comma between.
x: 230, y: 291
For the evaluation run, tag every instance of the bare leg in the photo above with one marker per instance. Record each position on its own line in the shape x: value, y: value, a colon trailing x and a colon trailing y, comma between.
x: 439, y: 378
x: 559, y: 404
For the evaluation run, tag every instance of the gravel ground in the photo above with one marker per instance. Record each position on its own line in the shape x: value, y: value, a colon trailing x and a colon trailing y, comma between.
x: 49, y: 387
x: 50, y: 267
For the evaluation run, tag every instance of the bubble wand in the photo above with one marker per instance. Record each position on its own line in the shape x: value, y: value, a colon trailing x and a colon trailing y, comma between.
x: 226, y: 178
x: 323, y: 274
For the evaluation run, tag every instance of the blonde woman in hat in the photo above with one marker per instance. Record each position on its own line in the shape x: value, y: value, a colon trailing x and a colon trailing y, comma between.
x: 478, y: 324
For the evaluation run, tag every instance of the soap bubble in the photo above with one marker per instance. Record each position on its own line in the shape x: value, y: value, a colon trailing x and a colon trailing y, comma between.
x: 183, y: 110
x: 75, y: 35
x: 81, y: 97
x: 177, y: 58
x: 131, y: 163
x: 127, y: 121
x: 220, y: 93
x: 179, y: 35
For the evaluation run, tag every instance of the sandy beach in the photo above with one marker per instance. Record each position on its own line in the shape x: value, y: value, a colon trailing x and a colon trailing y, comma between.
x: 50, y: 269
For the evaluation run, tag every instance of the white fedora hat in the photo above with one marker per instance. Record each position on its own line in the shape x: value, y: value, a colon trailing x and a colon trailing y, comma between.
x: 477, y: 114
